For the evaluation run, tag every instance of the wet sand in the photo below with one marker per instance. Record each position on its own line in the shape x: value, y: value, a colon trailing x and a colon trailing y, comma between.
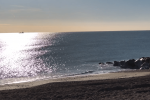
x: 133, y: 85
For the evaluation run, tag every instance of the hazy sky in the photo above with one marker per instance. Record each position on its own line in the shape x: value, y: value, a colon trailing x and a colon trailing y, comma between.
x: 74, y: 15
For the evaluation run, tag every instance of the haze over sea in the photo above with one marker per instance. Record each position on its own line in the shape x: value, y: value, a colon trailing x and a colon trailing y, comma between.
x: 32, y: 56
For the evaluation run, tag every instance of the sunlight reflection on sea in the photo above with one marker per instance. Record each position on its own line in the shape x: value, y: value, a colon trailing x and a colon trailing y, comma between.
x: 17, y: 60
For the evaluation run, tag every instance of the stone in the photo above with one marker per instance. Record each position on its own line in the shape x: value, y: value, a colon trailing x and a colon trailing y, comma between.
x: 145, y: 65
x: 116, y: 63
x: 122, y: 63
x: 101, y: 63
x: 141, y: 63
x: 109, y: 62
x: 138, y: 64
x: 130, y: 64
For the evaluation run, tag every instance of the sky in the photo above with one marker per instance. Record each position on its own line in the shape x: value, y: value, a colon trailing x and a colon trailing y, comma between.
x: 73, y: 15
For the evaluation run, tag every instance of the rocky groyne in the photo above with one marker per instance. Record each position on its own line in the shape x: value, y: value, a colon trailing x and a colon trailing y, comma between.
x: 141, y: 63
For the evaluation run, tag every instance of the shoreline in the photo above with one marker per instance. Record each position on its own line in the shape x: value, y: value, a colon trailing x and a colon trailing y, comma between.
x: 105, y: 76
x: 131, y: 85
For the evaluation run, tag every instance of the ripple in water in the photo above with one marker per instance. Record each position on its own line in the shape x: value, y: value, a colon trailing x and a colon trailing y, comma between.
x: 19, y: 54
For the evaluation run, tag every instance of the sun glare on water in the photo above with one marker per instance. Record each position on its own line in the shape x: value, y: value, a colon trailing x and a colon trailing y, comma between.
x: 16, y: 41
x: 12, y: 47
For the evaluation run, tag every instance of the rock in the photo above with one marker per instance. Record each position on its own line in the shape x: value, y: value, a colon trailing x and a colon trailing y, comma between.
x: 116, y: 63
x: 141, y: 63
x: 138, y: 64
x: 147, y: 59
x: 122, y: 63
x: 145, y: 65
x: 142, y: 58
x: 109, y: 62
x: 101, y: 63
x: 130, y: 64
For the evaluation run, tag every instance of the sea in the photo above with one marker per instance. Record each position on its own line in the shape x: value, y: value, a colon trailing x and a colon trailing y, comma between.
x: 26, y: 57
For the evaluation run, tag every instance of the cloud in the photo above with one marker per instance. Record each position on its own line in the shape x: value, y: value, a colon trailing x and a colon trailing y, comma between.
x: 21, y: 8
x: 25, y: 10
x: 4, y: 24
x: 18, y: 6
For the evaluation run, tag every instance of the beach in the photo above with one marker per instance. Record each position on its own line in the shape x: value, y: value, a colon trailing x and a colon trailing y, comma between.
x: 125, y: 85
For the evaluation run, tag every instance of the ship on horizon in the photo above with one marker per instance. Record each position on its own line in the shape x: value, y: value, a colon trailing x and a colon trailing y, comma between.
x: 21, y: 32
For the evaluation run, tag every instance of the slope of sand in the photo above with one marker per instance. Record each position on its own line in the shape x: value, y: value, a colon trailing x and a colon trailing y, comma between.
x: 113, y: 86
x: 116, y: 75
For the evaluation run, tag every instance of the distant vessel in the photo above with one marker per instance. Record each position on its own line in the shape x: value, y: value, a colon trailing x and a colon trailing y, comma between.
x: 21, y: 32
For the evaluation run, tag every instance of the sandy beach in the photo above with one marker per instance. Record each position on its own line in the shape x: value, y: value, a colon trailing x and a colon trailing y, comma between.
x: 133, y: 85
x: 116, y: 75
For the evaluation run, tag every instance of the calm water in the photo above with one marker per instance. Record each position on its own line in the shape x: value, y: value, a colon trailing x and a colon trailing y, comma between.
x: 31, y: 56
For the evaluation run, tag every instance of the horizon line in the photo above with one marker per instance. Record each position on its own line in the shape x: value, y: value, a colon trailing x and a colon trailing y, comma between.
x: 76, y: 31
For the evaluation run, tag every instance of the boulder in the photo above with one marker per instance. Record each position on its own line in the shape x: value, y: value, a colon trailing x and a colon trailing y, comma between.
x: 116, y: 63
x: 130, y: 64
x: 141, y: 63
x: 101, y: 63
x: 145, y: 65
x: 138, y: 64
x: 147, y: 59
x: 109, y: 62
x: 122, y: 63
